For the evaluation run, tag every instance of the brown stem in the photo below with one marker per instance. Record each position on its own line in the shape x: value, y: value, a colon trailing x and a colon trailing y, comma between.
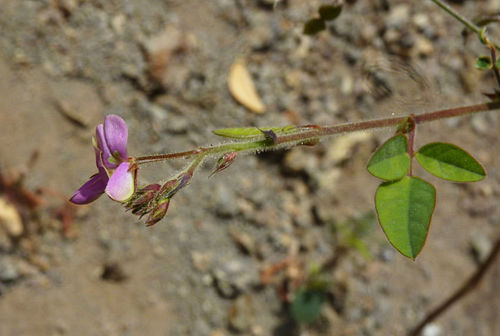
x: 469, y: 285
x: 162, y: 157
x: 315, y: 133
x: 494, y: 68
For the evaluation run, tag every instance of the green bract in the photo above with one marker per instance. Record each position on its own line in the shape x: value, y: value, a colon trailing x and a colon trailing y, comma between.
x: 404, y: 210
x: 391, y: 161
x: 251, y: 132
x: 450, y: 162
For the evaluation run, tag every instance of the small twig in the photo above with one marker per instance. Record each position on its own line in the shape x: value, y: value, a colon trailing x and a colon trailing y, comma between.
x: 469, y: 285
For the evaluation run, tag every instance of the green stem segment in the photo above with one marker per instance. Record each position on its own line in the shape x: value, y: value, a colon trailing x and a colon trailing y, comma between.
x: 466, y: 22
x: 311, y: 135
x: 462, y: 19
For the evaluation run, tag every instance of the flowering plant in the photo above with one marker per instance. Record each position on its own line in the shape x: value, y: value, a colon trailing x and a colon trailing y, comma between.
x: 116, y: 174
x: 404, y: 203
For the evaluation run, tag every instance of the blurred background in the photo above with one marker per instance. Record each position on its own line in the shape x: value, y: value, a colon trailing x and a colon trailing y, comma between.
x: 282, y: 243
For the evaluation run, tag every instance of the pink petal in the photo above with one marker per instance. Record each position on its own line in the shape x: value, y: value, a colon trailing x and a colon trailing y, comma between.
x: 121, y: 184
x: 104, y: 149
x: 92, y: 189
x: 116, y: 135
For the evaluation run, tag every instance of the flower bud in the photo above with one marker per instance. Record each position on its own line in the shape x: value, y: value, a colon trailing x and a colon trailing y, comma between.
x: 225, y: 161
x: 170, y: 188
x: 158, y: 212
x: 142, y: 198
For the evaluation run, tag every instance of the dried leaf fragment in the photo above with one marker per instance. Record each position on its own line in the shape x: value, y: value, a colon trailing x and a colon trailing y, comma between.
x: 243, y: 89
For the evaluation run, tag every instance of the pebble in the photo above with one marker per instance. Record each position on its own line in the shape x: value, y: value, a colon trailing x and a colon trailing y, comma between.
x: 5, y: 241
x: 244, y: 241
x: 8, y: 270
x: 202, y: 261
x: 225, y: 203
x: 235, y: 276
x: 342, y: 148
x: 422, y: 47
x: 241, y: 313
x: 432, y: 329
x: 398, y: 16
x: 481, y: 246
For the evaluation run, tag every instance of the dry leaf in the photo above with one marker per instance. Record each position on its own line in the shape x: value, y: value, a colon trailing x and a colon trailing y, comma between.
x: 242, y: 88
x: 10, y: 219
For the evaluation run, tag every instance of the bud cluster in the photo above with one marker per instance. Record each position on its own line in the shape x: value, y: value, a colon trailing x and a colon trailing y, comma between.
x: 154, y: 199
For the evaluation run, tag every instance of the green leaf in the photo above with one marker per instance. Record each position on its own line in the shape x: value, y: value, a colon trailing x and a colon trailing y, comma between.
x: 404, y: 211
x: 329, y: 12
x: 497, y: 63
x: 484, y: 63
x: 314, y: 26
x: 450, y: 162
x: 391, y: 161
x: 306, y: 305
x: 251, y: 132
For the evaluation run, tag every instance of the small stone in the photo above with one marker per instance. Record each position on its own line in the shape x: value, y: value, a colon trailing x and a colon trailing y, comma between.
x: 341, y: 148
x: 234, y: 277
x: 241, y: 314
x: 432, y: 329
x: 160, y: 48
x: 260, y: 37
x: 224, y: 199
x: 421, y: 21
x: 481, y: 246
x: 298, y: 160
x: 8, y: 270
x: 398, y: 16
x: 244, y: 241
x: 10, y: 220
x: 118, y: 23
x: 5, y: 242
x: 207, y: 280
x: 201, y: 260
x: 422, y: 47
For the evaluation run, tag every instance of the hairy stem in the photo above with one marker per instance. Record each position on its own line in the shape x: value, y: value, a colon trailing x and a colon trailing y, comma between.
x: 309, y: 135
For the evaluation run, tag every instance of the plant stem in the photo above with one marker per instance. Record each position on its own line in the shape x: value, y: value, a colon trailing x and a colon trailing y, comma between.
x: 469, y: 285
x: 462, y: 19
x: 466, y: 22
x: 411, y: 143
x: 308, y: 135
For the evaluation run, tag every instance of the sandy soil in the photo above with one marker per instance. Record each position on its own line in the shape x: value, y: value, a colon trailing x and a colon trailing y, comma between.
x: 162, y: 66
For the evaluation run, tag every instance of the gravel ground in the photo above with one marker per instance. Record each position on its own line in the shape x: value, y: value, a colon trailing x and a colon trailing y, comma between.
x: 163, y: 67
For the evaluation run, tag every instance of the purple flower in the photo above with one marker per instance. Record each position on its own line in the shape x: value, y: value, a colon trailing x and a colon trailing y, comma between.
x: 116, y: 171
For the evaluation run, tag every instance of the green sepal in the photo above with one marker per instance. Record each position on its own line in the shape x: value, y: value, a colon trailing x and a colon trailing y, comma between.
x: 113, y: 160
x: 251, y: 132
x: 450, y: 162
x: 404, y: 211
x: 391, y: 161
